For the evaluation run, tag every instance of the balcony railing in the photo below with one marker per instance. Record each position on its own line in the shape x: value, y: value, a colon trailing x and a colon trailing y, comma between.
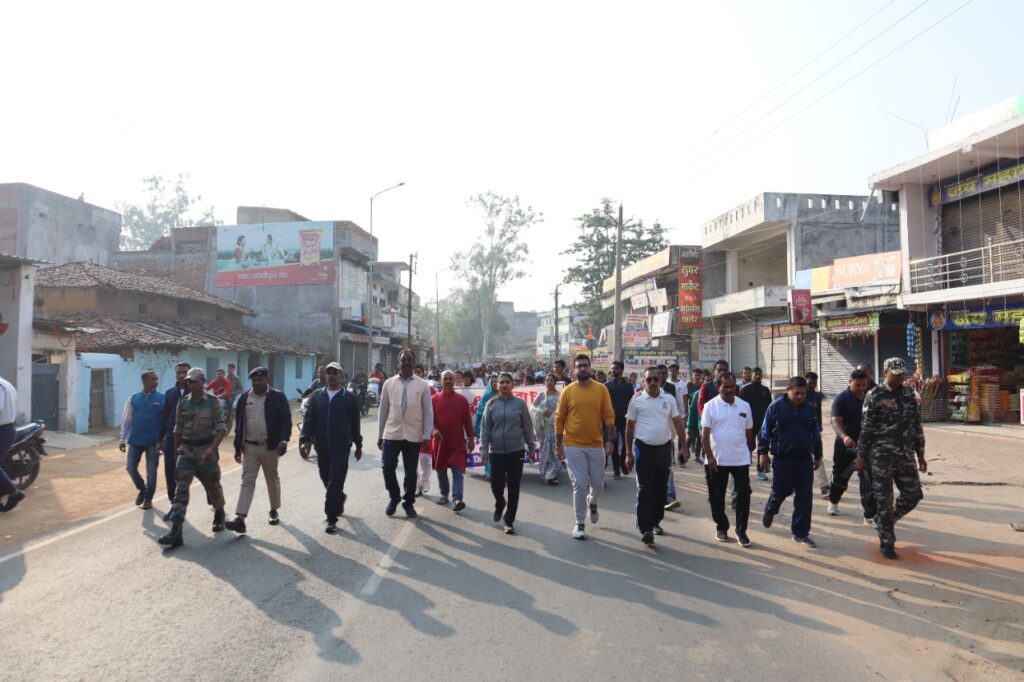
x: 992, y: 263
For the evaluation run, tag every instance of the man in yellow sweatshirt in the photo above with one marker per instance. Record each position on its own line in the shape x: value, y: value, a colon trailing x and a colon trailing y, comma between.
x: 584, y: 436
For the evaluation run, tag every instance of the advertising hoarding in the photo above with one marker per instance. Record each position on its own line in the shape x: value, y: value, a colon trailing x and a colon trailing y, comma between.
x: 275, y: 254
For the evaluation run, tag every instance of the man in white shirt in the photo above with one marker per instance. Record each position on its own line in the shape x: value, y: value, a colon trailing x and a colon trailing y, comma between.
x: 650, y: 419
x: 728, y: 440
x: 405, y: 420
x: 9, y: 493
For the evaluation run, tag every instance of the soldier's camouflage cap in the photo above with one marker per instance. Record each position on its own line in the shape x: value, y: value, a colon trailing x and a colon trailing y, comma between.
x: 195, y: 374
x: 895, y: 366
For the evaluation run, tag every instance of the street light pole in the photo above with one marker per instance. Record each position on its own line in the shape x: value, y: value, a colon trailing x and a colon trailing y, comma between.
x: 558, y: 346
x: 617, y: 304
x: 437, y: 314
x: 369, y: 283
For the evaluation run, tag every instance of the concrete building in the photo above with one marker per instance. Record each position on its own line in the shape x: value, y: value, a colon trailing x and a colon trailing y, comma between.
x: 961, y: 208
x: 327, y: 314
x: 568, y: 318
x: 17, y: 289
x: 45, y: 226
x: 520, y: 341
x: 751, y: 256
x: 97, y: 329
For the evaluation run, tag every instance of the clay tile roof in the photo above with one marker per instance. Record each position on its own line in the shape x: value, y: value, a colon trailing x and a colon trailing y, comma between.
x: 110, y: 333
x: 91, y: 275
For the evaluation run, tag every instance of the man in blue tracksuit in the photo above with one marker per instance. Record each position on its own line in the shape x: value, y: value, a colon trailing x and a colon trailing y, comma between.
x: 792, y: 433
x: 171, y: 397
x: 140, y: 434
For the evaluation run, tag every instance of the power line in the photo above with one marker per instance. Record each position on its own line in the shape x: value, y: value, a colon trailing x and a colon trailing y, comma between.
x: 833, y: 90
x: 808, y: 85
x: 789, y: 78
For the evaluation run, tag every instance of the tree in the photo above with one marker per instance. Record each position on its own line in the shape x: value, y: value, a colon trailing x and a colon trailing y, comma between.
x: 168, y: 206
x: 493, y: 260
x: 594, y: 249
x: 461, y: 327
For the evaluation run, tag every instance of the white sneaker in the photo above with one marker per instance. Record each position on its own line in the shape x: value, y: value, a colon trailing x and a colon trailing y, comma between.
x: 833, y: 509
x: 577, y: 532
x: 870, y: 522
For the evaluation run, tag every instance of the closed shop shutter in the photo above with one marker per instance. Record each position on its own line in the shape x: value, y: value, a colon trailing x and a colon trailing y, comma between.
x: 840, y: 355
x: 744, y: 347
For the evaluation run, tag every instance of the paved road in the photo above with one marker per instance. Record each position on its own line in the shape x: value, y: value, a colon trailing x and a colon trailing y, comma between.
x: 450, y: 596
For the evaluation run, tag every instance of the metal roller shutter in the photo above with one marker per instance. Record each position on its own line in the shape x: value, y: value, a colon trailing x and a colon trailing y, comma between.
x: 744, y: 346
x: 840, y: 355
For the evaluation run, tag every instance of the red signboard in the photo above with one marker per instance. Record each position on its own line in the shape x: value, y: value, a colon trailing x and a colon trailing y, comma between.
x: 801, y: 310
x: 690, y: 299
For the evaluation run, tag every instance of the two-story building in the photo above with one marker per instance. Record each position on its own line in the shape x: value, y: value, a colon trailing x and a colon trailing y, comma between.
x: 98, y: 329
x: 962, y: 230
x: 568, y: 319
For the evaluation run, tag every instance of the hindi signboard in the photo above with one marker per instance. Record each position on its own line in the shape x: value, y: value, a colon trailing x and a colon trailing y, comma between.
x: 690, y: 296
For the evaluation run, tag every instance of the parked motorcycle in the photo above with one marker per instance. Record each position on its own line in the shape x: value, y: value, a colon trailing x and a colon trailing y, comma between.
x: 359, y: 393
x: 22, y: 462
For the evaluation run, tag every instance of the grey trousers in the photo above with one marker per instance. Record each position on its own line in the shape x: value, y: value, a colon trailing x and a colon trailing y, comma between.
x: 586, y: 471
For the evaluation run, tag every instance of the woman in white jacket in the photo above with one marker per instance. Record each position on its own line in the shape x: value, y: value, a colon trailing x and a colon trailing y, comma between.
x: 543, y: 414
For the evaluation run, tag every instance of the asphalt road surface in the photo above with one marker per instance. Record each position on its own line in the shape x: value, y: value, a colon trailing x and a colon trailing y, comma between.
x: 450, y: 596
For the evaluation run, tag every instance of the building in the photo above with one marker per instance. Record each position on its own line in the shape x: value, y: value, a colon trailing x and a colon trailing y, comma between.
x: 47, y: 227
x: 520, y: 341
x: 568, y: 318
x: 751, y: 255
x: 305, y: 279
x: 97, y: 329
x: 962, y: 228
x: 17, y: 289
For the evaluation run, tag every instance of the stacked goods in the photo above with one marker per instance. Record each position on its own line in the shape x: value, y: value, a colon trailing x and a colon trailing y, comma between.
x: 934, y: 398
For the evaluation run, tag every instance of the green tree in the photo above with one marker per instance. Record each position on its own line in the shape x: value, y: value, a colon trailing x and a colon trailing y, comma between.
x: 169, y: 205
x: 461, y: 325
x: 493, y: 260
x: 594, y: 249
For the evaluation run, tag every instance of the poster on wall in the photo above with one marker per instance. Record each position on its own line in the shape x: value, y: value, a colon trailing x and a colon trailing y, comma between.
x: 710, y: 348
x: 275, y: 254
x: 638, y: 361
x: 801, y: 310
x: 635, y: 333
x: 690, y: 298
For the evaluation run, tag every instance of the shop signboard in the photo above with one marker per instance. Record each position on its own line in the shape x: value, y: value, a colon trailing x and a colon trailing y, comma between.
x: 976, y: 318
x: 639, y: 301
x: 658, y: 298
x: 866, y: 270
x: 801, y: 310
x: 601, y: 360
x: 635, y: 333
x: 863, y: 323
x: 992, y: 177
x: 275, y: 254
x: 638, y: 361
x: 821, y: 279
x: 710, y: 348
x: 690, y: 294
x: 781, y: 331
x: 661, y: 324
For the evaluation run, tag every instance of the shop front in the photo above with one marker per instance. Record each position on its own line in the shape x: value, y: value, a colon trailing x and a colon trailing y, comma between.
x: 982, y: 360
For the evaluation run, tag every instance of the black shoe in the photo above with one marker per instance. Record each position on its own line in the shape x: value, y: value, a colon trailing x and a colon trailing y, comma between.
x: 767, y: 518
x: 647, y: 538
x: 147, y: 504
x: 237, y: 524
x: 722, y: 536
x: 174, y: 537
x: 499, y: 509
x: 273, y: 519
x: 826, y: 491
x: 341, y: 509
x: 332, y: 527
x: 218, y: 520
x: 743, y: 539
x: 509, y: 529
x: 12, y: 501
x: 889, y: 552
x: 410, y: 511
x: 168, y: 515
x: 392, y: 506
x: 140, y: 498
x: 658, y: 530
x: 459, y: 506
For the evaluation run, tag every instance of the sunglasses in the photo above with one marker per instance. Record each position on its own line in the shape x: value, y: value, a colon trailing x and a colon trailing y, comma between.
x: 653, y: 380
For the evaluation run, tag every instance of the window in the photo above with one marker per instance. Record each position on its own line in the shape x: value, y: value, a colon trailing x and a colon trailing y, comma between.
x: 810, y: 203
x: 143, y: 309
x: 298, y: 367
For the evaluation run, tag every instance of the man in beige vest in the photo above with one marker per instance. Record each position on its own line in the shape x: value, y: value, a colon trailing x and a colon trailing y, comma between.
x: 405, y: 421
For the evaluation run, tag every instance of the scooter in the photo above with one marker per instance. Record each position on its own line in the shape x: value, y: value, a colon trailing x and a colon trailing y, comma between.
x: 22, y: 461
x: 373, y: 392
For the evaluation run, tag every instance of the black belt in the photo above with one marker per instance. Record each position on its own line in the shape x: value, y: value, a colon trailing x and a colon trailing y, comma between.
x: 256, y: 442
x: 194, y: 443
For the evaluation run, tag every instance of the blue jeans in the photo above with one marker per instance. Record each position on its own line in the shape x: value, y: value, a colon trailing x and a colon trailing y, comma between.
x: 410, y: 453
x: 793, y: 476
x: 456, y: 487
x: 135, y: 453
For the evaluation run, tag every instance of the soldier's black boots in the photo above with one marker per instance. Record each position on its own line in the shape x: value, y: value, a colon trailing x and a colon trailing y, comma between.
x: 218, y: 520
x: 174, y: 537
x: 889, y: 552
x: 237, y: 525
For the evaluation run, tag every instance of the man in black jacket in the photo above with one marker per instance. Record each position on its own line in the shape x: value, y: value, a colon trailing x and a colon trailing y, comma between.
x: 759, y: 397
x: 331, y: 426
x: 263, y: 425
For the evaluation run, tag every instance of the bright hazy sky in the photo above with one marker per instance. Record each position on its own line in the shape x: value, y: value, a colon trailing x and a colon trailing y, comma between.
x: 316, y: 106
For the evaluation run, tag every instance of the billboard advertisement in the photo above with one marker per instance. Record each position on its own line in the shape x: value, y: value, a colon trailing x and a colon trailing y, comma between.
x: 275, y: 254
x: 690, y: 298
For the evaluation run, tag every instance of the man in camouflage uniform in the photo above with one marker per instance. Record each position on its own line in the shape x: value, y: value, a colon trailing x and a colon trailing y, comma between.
x: 890, y: 435
x: 198, y: 431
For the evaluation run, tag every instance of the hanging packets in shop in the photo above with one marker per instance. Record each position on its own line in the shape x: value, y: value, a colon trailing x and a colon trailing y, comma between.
x: 911, y: 339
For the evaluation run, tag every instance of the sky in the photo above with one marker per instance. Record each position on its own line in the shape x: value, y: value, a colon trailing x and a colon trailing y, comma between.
x: 679, y: 110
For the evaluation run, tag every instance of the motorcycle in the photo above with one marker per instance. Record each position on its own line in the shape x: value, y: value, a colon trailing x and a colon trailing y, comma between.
x: 359, y: 393
x: 373, y: 391
x: 22, y: 461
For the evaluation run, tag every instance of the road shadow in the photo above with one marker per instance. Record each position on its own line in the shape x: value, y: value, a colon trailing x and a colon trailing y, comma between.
x: 12, y: 571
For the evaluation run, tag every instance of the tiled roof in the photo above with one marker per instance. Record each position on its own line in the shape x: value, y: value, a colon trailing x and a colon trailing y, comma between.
x: 92, y: 275
x: 109, y: 333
